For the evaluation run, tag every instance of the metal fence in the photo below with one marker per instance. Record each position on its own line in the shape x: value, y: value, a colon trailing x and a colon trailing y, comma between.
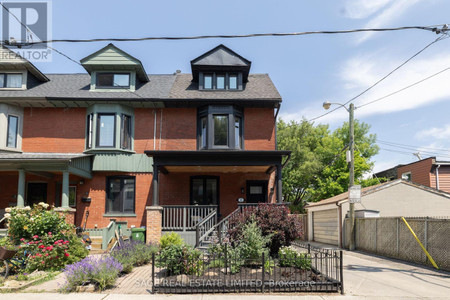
x: 319, y: 271
x: 391, y: 237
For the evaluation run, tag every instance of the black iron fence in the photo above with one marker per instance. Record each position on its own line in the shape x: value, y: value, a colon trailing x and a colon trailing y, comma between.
x: 312, y: 270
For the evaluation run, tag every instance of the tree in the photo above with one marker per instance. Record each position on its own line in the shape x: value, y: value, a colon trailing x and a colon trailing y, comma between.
x: 317, y: 169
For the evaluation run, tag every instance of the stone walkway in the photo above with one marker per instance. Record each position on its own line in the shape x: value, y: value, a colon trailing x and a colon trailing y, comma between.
x: 139, y: 281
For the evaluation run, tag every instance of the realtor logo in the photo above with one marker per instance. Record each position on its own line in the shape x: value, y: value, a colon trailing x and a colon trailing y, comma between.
x: 24, y: 23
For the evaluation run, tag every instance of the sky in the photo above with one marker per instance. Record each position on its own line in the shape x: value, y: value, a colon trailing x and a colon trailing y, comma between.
x: 307, y: 70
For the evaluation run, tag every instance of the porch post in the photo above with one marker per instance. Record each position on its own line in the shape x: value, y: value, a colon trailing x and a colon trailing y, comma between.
x: 279, y: 184
x: 155, y: 201
x: 65, y: 190
x: 21, y: 189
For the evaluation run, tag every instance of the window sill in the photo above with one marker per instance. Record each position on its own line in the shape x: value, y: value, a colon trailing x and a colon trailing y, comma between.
x: 108, y: 150
x: 13, y: 150
x: 121, y: 215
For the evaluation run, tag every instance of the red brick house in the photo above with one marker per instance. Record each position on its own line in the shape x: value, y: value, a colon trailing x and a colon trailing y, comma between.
x: 123, y: 144
x: 428, y: 172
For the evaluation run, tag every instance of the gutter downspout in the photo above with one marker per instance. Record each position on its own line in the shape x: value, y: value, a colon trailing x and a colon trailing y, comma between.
x: 154, y: 131
x: 276, y: 131
x: 437, y: 176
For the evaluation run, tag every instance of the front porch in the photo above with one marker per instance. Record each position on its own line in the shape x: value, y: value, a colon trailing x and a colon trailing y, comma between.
x: 52, y: 178
x: 193, y: 190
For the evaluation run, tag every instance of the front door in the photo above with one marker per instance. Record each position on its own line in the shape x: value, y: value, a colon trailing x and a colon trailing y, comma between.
x: 256, y: 191
x: 36, y: 192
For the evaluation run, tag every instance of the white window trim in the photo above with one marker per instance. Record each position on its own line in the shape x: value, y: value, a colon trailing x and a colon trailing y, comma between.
x: 24, y: 80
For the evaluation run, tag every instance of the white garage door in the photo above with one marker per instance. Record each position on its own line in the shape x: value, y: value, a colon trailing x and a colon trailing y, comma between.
x: 325, y: 226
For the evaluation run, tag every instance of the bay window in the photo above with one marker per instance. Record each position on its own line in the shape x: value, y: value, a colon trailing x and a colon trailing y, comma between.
x: 109, y: 127
x: 220, y: 127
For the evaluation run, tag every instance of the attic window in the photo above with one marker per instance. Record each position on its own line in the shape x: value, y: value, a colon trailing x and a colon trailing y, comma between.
x: 220, y: 81
x: 9, y: 80
x: 113, y: 80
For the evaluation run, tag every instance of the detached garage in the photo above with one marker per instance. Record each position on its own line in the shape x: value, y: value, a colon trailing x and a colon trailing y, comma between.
x: 325, y: 224
x: 398, y: 198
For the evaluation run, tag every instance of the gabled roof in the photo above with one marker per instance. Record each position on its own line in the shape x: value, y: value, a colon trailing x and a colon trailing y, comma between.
x: 220, y: 58
x: 113, y: 58
x: 375, y: 188
x: 10, y: 60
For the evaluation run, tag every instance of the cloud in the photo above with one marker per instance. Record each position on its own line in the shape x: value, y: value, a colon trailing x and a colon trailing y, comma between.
x: 363, y: 8
x: 360, y: 72
x: 435, y: 132
x: 391, y: 12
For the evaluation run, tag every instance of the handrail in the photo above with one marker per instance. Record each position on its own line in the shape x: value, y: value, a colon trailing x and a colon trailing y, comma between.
x: 108, y: 234
x: 205, y: 227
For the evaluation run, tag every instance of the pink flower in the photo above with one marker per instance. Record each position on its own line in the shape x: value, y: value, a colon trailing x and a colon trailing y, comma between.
x: 49, y: 233
x: 66, y: 254
x: 22, y: 239
x: 41, y: 246
x: 35, y: 236
x: 49, y: 248
x: 46, y: 254
x: 43, y: 262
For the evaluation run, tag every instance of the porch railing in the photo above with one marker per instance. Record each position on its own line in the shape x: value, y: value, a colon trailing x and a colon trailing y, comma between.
x: 205, y: 228
x: 185, y: 217
x: 108, y: 234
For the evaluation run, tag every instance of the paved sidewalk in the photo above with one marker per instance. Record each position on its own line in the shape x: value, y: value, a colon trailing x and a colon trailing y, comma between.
x: 139, y: 281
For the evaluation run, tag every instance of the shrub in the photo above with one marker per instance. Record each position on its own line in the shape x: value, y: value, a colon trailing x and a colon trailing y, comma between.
x: 102, y: 271
x: 252, y: 244
x: 288, y: 257
x: 170, y: 239
x: 274, y: 221
x: 180, y: 259
x: 26, y: 222
x: 133, y: 253
x: 44, y: 254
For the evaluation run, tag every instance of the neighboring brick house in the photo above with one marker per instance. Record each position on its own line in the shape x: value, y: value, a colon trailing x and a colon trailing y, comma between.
x: 428, y: 172
x: 116, y: 140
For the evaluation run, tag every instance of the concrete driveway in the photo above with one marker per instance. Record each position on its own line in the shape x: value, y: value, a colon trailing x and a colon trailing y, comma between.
x: 368, y: 275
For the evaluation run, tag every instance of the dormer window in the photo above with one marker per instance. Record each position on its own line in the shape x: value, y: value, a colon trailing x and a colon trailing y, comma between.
x: 220, y: 81
x: 113, y: 80
x: 11, y: 80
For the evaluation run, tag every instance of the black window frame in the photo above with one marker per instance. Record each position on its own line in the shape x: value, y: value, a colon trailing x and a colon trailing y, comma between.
x: 108, y: 186
x: 5, y: 81
x: 15, y: 134
x: 204, y: 178
x: 226, y: 75
x: 97, y: 136
x: 97, y: 85
x: 209, y: 112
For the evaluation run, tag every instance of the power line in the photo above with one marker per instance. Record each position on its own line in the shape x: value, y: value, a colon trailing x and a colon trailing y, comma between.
x: 383, y: 78
x: 414, y: 147
x: 433, y: 28
x: 406, y: 87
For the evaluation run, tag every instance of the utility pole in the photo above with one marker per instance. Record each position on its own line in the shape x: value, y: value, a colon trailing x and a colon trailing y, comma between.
x: 352, y: 175
x: 351, y: 125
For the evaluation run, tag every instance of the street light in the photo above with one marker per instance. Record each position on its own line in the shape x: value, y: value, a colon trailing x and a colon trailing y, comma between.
x: 326, y: 105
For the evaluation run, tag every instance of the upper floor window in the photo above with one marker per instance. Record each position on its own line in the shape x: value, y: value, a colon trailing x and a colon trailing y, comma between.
x: 113, y: 80
x: 220, y: 81
x: 13, y: 124
x: 109, y: 127
x: 10, y: 80
x: 220, y: 127
x: 106, y: 130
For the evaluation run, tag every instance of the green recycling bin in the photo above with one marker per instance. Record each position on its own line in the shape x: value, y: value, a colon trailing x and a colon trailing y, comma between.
x: 138, y: 234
